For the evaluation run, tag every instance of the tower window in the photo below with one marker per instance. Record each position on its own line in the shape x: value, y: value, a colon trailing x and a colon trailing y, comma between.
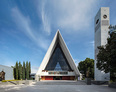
x: 97, y: 21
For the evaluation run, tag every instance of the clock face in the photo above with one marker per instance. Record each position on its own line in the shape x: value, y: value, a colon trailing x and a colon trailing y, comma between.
x: 97, y: 21
x: 104, y: 16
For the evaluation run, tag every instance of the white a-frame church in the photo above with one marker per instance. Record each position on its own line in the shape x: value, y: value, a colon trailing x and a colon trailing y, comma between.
x: 58, y: 63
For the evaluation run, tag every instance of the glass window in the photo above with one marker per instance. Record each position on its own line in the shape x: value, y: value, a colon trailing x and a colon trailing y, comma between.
x: 58, y: 61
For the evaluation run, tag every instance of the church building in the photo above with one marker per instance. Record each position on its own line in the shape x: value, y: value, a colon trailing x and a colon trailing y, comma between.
x: 58, y: 63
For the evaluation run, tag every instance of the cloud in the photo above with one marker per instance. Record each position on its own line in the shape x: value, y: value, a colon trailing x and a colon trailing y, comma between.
x: 45, y: 20
x: 71, y: 15
x: 92, y: 42
x: 24, y: 24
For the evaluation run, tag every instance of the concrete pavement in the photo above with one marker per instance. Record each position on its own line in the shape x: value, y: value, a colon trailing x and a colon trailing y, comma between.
x: 56, y: 87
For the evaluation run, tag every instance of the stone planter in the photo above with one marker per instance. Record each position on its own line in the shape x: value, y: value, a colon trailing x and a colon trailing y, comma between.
x: 28, y: 82
x: 88, y: 81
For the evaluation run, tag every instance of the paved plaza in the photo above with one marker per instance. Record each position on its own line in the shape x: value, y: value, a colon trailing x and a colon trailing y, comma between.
x: 57, y: 86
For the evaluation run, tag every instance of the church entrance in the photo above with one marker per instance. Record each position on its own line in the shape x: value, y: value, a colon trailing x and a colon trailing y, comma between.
x: 57, y: 78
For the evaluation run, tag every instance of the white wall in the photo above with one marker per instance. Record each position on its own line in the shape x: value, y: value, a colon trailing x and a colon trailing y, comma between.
x: 8, y: 72
x: 101, y: 35
x: 47, y: 74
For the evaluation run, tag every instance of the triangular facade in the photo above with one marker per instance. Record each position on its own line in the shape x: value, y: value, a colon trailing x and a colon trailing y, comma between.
x: 58, y: 62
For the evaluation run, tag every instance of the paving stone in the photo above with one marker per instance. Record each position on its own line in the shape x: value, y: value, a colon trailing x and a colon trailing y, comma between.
x: 57, y: 86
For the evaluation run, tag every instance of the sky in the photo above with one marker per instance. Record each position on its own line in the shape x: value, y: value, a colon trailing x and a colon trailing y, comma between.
x: 27, y: 28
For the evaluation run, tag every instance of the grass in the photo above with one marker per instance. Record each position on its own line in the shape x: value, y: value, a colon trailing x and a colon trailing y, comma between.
x: 10, y: 80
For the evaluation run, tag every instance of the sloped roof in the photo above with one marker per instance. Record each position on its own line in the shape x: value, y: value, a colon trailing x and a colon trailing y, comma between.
x: 58, y: 38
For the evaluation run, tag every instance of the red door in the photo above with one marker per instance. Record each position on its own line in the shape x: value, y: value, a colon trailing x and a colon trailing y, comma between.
x: 65, y: 77
x: 48, y: 77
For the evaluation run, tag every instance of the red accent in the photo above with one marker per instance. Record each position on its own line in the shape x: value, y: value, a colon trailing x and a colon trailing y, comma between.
x: 65, y: 77
x: 48, y: 77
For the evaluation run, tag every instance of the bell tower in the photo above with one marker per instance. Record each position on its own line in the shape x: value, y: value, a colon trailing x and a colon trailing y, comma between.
x: 101, y: 24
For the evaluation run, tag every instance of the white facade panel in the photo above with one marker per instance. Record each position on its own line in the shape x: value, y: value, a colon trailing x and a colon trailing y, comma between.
x: 8, y: 72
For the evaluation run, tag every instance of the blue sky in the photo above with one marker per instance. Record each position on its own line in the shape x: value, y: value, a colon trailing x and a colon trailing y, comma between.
x: 27, y: 28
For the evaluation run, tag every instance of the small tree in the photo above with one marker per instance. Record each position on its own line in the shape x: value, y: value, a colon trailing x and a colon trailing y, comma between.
x: 16, y: 70
x: 20, y: 71
x: 23, y: 70
x: 27, y: 70
x: 84, y: 66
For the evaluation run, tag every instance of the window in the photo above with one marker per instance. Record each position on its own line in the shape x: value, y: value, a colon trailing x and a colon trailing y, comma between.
x: 58, y: 61
x: 97, y: 21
